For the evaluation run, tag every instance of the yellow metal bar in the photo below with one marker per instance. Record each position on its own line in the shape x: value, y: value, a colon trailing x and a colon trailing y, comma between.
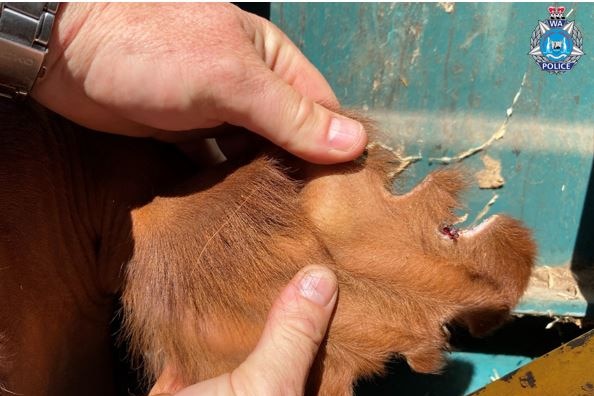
x: 565, y: 371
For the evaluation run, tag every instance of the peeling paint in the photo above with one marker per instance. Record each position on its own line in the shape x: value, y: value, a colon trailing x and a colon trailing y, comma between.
x: 498, y: 134
x: 484, y: 211
x: 376, y: 85
x: 528, y: 380
x: 490, y: 177
x: 558, y: 283
x: 461, y: 219
x: 447, y: 7
x: 466, y: 44
x: 526, y: 134
x: 495, y: 375
x: 415, y: 55
x: 566, y: 370
x: 403, y: 161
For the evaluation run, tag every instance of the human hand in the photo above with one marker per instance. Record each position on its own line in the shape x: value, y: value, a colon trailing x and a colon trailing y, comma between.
x: 154, y: 69
x: 292, y: 335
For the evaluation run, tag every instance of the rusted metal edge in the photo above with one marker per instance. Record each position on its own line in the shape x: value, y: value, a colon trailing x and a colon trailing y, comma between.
x: 567, y: 371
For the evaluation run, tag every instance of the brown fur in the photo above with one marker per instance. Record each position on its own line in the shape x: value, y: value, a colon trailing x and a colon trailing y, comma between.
x: 201, y: 282
x: 206, y: 257
x: 65, y: 233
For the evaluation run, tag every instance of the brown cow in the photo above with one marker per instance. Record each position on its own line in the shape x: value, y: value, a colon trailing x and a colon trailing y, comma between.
x: 78, y: 207
x: 65, y: 232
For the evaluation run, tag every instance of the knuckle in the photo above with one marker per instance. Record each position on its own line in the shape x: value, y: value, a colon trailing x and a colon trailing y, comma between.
x: 301, y: 330
x: 230, y: 69
x: 299, y: 114
x: 302, y: 112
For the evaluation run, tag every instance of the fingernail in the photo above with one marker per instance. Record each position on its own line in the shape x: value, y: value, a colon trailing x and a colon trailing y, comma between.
x: 318, y: 286
x: 344, y: 133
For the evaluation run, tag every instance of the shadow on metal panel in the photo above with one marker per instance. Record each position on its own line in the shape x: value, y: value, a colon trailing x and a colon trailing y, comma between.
x: 583, y: 252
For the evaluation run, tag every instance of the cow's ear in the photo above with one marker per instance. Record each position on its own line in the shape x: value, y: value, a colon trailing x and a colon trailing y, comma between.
x: 168, y: 382
x: 426, y: 360
x: 482, y: 321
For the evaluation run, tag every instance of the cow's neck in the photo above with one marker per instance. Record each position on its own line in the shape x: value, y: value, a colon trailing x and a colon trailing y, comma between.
x: 65, y: 236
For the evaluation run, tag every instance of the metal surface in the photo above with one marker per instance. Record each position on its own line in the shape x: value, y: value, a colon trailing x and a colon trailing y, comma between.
x: 567, y: 371
x: 25, y: 29
x: 444, y: 78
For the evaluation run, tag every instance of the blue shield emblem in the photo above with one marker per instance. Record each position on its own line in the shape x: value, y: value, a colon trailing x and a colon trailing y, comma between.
x: 556, y: 44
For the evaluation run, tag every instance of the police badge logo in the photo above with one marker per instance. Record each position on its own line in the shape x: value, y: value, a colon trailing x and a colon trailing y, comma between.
x: 556, y: 43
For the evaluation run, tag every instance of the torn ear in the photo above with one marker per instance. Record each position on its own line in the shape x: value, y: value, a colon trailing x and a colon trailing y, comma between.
x: 482, y: 321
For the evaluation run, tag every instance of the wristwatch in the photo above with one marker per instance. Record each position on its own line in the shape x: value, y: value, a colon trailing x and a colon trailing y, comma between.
x: 25, y: 30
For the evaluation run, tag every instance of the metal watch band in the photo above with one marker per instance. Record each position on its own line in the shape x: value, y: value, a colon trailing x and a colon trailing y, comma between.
x: 25, y: 30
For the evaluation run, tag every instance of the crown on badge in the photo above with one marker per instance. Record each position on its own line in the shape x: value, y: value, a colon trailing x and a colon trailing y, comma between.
x: 557, y: 12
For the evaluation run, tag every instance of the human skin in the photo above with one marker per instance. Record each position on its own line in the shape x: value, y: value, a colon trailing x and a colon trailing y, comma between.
x: 295, y: 328
x: 159, y: 70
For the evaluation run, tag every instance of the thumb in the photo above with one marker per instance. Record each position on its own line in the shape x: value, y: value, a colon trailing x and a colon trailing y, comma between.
x: 281, y: 114
x: 296, y: 326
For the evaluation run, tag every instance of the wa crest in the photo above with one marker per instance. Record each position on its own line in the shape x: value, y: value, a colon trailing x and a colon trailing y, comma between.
x: 556, y: 43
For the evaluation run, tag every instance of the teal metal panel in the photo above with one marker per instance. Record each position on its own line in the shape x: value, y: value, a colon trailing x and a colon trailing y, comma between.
x: 465, y: 373
x: 488, y: 367
x: 442, y: 80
